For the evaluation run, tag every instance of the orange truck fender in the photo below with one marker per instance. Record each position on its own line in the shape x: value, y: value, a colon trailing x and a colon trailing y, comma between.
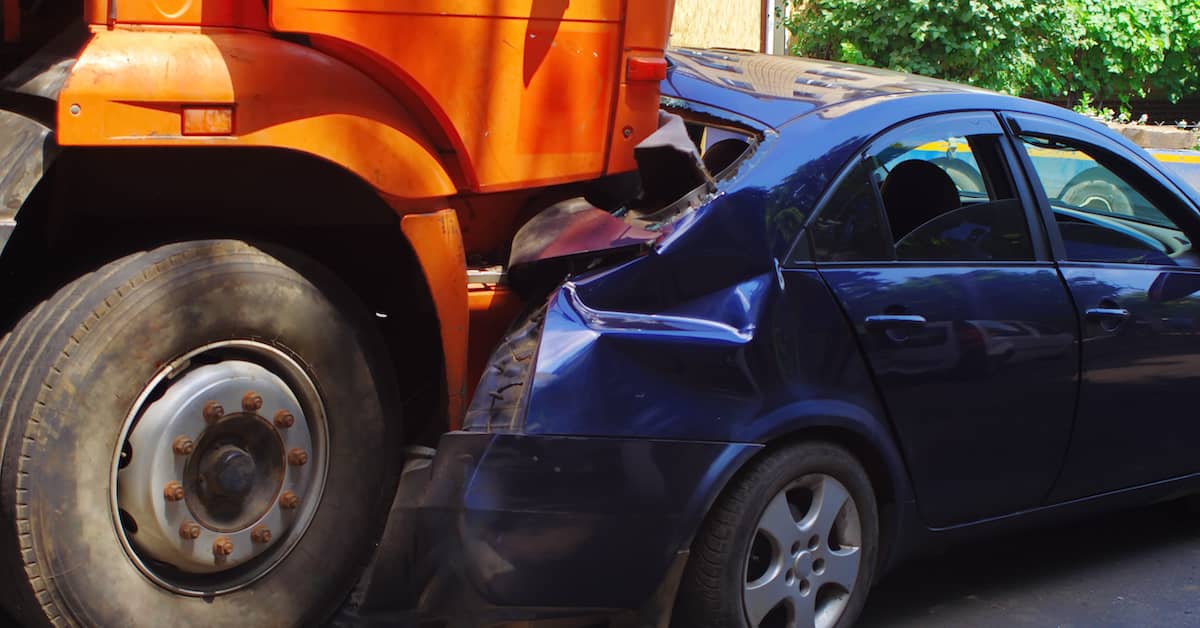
x: 243, y: 88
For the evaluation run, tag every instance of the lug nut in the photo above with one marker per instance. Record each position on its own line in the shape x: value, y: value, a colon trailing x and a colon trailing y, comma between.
x: 173, y: 491
x: 261, y: 534
x: 289, y: 500
x: 189, y: 531
x: 284, y: 419
x: 222, y: 547
x: 183, y: 446
x: 213, y: 411
x: 252, y: 402
x: 297, y: 457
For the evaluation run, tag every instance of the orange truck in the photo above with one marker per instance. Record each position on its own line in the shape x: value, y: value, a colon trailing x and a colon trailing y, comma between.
x: 253, y: 253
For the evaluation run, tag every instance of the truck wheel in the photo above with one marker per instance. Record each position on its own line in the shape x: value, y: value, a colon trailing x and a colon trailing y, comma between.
x: 197, y: 435
x: 791, y: 543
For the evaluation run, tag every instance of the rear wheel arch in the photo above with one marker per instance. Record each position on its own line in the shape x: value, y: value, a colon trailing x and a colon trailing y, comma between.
x: 889, y: 490
x: 881, y: 461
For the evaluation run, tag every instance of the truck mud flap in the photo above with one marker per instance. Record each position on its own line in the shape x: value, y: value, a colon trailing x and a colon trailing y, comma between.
x: 27, y: 148
x: 28, y: 97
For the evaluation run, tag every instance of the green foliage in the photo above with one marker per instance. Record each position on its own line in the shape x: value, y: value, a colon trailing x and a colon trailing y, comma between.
x: 1112, y: 50
x: 1122, y: 48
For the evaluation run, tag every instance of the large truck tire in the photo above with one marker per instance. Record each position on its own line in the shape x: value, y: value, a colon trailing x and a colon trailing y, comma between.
x: 199, y: 435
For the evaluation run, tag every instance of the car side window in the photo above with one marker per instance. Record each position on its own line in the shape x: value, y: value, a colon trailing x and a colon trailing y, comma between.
x: 953, y: 155
x: 950, y: 197
x: 850, y: 226
x: 1099, y: 214
x: 936, y: 190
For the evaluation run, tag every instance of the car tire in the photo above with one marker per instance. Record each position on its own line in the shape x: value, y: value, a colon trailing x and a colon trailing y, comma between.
x: 116, y: 357
x: 966, y: 178
x: 1098, y: 189
x: 761, y: 554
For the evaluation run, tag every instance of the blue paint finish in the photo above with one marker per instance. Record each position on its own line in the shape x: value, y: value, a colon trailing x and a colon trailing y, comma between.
x: 578, y: 522
x: 1141, y: 378
x: 593, y: 380
x: 769, y: 359
x: 983, y: 394
x: 777, y: 89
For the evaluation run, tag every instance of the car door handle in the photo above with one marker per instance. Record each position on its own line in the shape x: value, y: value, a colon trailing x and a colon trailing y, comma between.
x: 1108, y: 316
x: 1100, y: 313
x: 908, y: 321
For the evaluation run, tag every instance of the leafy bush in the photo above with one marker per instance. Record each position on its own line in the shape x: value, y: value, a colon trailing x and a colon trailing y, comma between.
x: 1112, y: 50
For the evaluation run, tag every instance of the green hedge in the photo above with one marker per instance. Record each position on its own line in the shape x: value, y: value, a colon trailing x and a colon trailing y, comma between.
x: 1101, y: 51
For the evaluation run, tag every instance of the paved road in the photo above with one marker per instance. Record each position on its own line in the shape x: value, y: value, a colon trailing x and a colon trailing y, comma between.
x: 1133, y: 568
x: 1137, y: 568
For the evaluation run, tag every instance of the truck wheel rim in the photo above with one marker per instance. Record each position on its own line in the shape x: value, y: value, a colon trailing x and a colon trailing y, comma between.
x: 220, y: 468
x: 805, y: 556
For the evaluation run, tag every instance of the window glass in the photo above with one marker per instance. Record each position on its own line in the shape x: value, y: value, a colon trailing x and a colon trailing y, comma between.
x: 950, y: 197
x: 1101, y: 217
x: 927, y: 193
x: 953, y: 155
x: 1188, y: 170
x: 850, y: 226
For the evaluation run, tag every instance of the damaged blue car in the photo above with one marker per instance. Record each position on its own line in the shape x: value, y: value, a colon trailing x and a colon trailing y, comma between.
x: 847, y: 315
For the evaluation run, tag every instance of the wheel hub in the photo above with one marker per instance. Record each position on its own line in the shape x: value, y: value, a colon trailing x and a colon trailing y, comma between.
x: 204, y: 493
x: 234, y: 476
x: 229, y: 472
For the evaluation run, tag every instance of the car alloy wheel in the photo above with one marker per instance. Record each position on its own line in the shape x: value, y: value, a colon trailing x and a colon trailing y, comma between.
x: 792, y: 542
x: 805, y: 555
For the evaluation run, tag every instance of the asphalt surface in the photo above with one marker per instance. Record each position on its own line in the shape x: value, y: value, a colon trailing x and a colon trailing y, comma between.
x: 1131, y: 568
x: 1137, y: 568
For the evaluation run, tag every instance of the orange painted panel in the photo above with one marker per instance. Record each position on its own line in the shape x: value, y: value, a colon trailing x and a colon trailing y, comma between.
x: 493, y: 309
x: 288, y: 11
x: 526, y: 89
x: 130, y: 88
x: 437, y: 241
x: 489, y: 221
x: 243, y: 13
x: 648, y: 24
x: 95, y: 11
x: 639, y: 116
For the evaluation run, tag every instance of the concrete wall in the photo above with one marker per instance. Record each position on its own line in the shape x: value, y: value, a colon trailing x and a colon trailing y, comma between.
x: 718, y: 23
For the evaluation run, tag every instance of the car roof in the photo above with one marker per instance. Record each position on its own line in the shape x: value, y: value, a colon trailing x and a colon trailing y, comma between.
x: 774, y: 89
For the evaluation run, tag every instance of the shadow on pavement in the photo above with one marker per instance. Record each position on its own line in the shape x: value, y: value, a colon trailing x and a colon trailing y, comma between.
x: 1131, y: 568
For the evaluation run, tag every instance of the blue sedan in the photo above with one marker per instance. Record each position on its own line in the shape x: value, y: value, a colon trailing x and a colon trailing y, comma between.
x: 847, y: 315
